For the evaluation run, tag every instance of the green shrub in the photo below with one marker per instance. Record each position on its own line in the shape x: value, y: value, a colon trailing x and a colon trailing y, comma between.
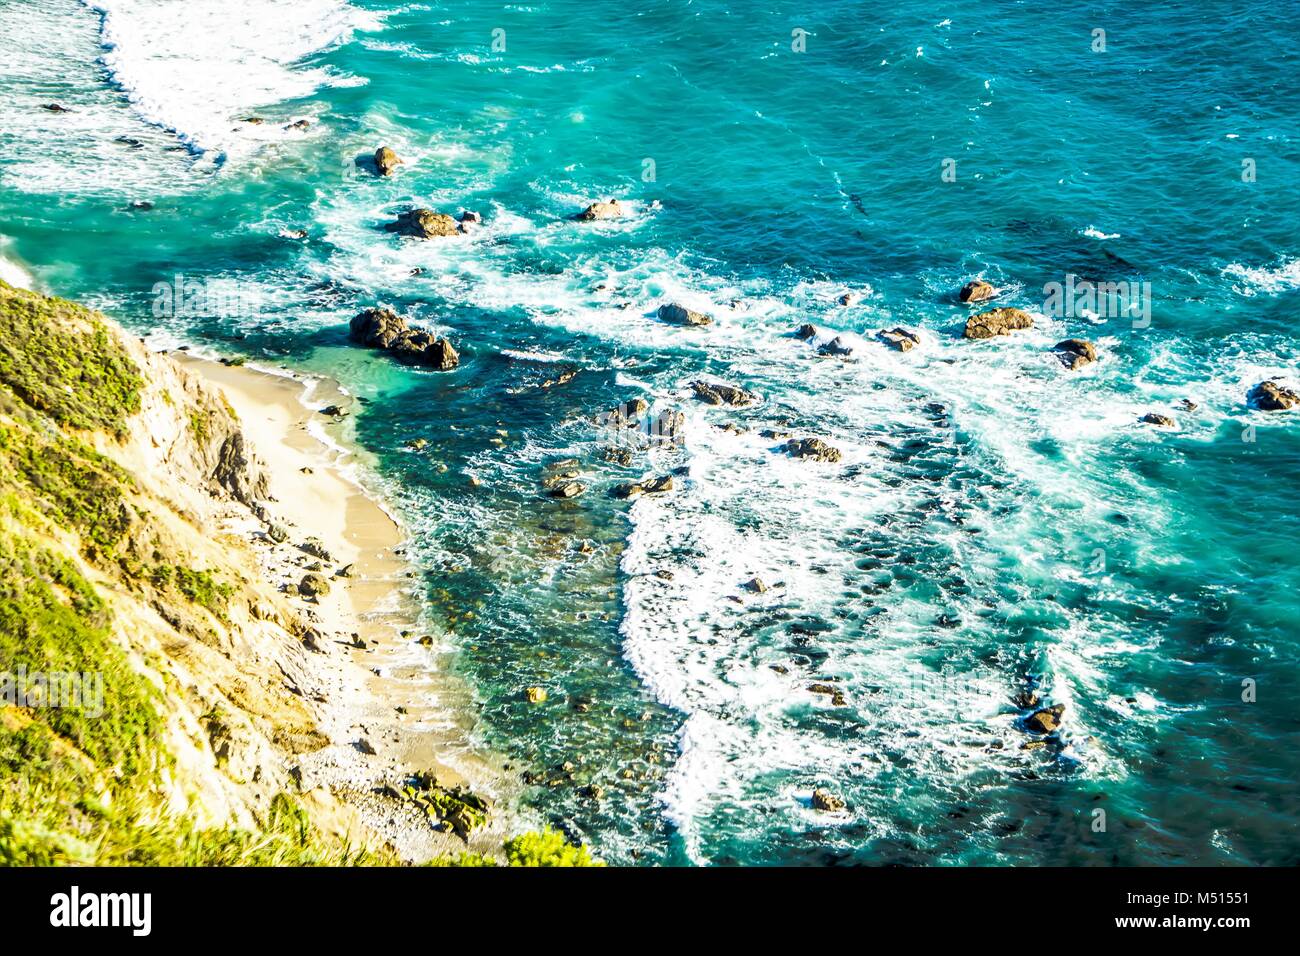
x: 61, y: 359
x: 544, y: 848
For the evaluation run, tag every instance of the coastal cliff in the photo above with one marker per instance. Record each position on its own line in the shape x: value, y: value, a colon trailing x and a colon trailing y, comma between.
x: 169, y: 695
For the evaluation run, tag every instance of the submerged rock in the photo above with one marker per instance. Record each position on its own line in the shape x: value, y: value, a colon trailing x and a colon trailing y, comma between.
x: 535, y: 695
x: 900, y: 338
x: 386, y: 161
x: 56, y: 108
x: 813, y: 448
x: 680, y: 315
x: 1075, y: 353
x: 385, y: 329
x: 1155, y: 418
x: 995, y: 322
x: 610, y: 209
x: 848, y: 298
x: 716, y: 393
x: 1272, y: 397
x: 977, y: 290
x: 423, y: 224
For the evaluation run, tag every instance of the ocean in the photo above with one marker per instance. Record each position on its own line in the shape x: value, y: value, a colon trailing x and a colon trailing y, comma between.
x: 997, y: 525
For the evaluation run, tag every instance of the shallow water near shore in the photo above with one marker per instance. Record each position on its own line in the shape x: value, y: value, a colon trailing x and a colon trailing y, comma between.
x: 996, y: 522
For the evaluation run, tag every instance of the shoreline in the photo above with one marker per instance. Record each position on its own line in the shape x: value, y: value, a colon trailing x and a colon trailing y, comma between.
x: 374, y: 686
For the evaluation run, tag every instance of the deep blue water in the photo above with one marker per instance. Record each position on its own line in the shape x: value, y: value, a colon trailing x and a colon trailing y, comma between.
x: 996, y: 521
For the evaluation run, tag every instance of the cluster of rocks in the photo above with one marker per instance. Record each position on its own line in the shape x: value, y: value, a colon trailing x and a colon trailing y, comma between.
x: 899, y: 338
x: 386, y: 330
x: 1271, y: 397
x: 561, y: 479
x: 448, y: 808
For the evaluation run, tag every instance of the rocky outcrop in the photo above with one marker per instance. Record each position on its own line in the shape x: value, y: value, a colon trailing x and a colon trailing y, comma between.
x: 1045, y: 721
x: 838, y: 346
x: 680, y: 315
x: 1272, y: 397
x: 610, y: 209
x: 805, y: 332
x: 825, y: 801
x: 1155, y: 418
x: 424, y: 224
x: 649, y: 486
x: 900, y: 338
x: 567, y: 489
x: 977, y: 290
x: 386, y: 161
x: 995, y: 322
x: 716, y: 393
x: 1075, y: 353
x: 812, y: 448
x: 314, y: 585
x: 386, y: 330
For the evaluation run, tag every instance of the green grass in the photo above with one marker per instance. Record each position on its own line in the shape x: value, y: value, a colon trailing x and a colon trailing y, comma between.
x: 61, y: 359
x: 539, y: 848
x: 198, y: 587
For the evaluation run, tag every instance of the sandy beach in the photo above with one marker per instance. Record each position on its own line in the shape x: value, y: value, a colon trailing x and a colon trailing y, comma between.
x: 378, y: 686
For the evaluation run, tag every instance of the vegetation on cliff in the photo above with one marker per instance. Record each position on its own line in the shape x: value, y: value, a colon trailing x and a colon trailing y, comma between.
x: 95, y: 559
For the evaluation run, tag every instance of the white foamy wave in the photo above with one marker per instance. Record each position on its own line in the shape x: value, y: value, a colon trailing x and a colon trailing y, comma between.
x: 1253, y: 280
x: 1092, y: 232
x: 198, y: 68
x: 10, y: 271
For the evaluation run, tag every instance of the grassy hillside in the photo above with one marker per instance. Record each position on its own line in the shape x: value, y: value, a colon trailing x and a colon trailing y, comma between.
x: 110, y: 573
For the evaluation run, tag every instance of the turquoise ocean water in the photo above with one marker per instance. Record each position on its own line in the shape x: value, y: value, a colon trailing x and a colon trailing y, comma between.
x: 996, y: 522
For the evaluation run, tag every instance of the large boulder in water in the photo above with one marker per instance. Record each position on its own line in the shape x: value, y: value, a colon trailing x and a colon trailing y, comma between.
x: 1155, y: 418
x: 424, y: 224
x: 977, y: 290
x: 813, y: 448
x: 900, y: 338
x: 610, y: 209
x: 716, y: 393
x: 385, y: 329
x: 386, y: 161
x: 680, y: 315
x: 1272, y: 397
x: 995, y: 322
x: 1045, y: 721
x: 1075, y: 353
